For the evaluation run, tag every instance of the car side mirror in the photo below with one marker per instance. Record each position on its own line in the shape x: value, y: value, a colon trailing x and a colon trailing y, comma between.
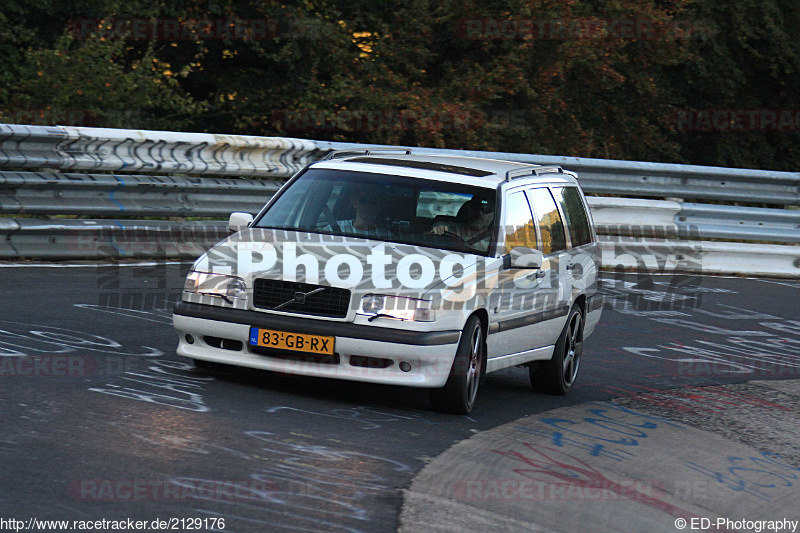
x: 239, y: 221
x: 524, y: 257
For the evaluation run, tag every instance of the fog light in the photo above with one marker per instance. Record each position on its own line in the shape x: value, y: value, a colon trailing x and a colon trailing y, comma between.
x: 405, y: 367
x: 189, y: 339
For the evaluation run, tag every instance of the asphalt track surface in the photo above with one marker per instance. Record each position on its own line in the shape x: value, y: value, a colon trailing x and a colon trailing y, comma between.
x: 101, y: 420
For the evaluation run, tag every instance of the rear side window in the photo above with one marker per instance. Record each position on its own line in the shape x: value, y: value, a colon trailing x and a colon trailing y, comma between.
x: 575, y: 213
x: 519, y: 227
x: 550, y: 224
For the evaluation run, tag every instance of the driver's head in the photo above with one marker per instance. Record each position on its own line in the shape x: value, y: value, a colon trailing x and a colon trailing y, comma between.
x: 367, y: 202
x: 476, y: 209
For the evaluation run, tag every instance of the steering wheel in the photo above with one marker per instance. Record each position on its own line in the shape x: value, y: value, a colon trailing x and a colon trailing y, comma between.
x: 480, y: 236
x: 451, y: 236
x: 328, y: 214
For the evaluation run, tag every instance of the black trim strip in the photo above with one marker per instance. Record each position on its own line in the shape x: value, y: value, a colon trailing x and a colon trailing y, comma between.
x: 316, y: 327
x: 528, y: 320
x: 594, y: 302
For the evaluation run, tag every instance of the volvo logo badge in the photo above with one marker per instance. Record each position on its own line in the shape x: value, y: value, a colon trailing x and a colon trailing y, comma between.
x: 299, y: 298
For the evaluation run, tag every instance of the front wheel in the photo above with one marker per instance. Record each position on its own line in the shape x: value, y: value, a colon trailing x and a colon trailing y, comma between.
x: 459, y: 393
x: 557, y: 375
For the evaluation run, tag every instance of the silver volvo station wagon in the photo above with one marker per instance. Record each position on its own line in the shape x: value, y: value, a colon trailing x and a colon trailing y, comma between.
x: 391, y: 267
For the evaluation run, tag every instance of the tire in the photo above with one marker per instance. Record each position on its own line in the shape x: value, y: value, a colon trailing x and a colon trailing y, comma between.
x: 459, y: 393
x: 557, y: 375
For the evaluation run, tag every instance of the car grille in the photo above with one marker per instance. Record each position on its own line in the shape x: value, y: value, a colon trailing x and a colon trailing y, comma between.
x: 280, y: 295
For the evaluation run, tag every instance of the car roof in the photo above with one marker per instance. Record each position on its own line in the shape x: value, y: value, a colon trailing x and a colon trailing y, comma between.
x: 468, y: 170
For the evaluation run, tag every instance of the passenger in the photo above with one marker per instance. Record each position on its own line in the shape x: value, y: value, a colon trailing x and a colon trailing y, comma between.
x: 368, y: 209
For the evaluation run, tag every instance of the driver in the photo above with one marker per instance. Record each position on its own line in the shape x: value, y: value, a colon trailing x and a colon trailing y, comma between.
x: 473, y: 223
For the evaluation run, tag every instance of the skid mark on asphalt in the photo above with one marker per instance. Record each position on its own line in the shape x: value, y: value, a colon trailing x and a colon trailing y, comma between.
x: 163, y: 382
x: 285, y: 481
x: 773, y: 350
x: 22, y: 339
x: 365, y: 416
x: 159, y: 316
x: 750, y: 343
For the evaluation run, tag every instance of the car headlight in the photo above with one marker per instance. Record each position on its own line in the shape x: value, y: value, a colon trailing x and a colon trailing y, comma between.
x: 228, y: 287
x: 399, y: 307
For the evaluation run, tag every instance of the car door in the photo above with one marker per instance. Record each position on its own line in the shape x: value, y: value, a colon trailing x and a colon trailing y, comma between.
x: 554, y: 244
x: 584, y: 256
x: 526, y: 309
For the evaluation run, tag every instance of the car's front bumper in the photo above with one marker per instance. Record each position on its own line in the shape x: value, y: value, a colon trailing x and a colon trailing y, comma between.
x: 429, y: 354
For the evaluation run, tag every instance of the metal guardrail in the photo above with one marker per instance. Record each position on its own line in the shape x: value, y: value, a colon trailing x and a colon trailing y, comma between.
x: 60, y: 240
x: 665, y: 231
x: 100, y: 149
x: 659, y: 218
x: 700, y: 257
x: 657, y: 180
x: 120, y: 195
x: 114, y: 240
x: 116, y: 195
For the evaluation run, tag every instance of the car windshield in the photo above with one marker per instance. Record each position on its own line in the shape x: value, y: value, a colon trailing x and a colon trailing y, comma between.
x: 387, y: 208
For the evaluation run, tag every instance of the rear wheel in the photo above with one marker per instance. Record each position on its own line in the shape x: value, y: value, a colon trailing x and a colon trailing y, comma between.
x: 557, y: 375
x: 459, y: 393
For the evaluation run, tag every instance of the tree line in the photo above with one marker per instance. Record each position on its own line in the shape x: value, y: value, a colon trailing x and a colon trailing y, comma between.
x: 684, y: 81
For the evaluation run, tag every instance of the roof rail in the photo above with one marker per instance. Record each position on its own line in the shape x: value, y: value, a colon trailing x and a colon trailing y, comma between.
x: 532, y: 171
x: 369, y: 151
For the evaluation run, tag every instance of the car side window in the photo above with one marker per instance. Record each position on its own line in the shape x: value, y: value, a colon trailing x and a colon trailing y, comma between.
x: 574, y: 211
x: 550, y: 224
x: 519, y: 227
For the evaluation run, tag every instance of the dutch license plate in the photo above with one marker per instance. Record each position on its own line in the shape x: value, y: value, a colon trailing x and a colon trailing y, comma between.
x: 284, y: 340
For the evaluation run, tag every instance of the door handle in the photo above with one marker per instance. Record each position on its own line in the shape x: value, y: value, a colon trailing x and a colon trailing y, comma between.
x: 571, y: 266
